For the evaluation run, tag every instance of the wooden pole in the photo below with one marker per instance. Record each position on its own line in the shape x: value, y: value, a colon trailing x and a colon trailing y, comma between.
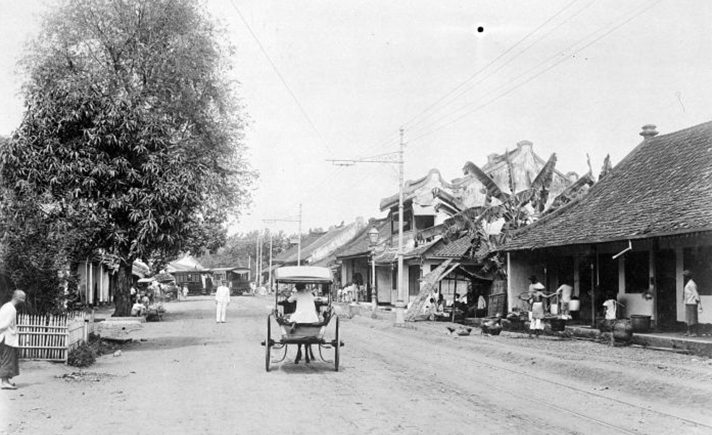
x: 453, y: 300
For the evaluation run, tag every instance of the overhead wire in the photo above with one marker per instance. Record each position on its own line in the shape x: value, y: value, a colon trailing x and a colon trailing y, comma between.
x: 636, y: 12
x: 281, y: 77
x: 394, y: 138
x: 467, y: 89
x: 492, y: 62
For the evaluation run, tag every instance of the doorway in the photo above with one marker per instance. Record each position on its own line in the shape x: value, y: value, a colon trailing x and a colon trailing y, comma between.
x: 666, y: 289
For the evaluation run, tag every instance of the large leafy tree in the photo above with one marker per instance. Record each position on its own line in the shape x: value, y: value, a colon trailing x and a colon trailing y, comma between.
x: 131, y: 130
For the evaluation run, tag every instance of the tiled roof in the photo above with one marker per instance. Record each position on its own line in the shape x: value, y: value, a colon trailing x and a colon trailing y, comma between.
x: 663, y: 187
x: 186, y: 264
x: 360, y: 244
x: 326, y: 240
x: 230, y: 268
x: 419, y: 250
x: 290, y: 255
x: 454, y: 249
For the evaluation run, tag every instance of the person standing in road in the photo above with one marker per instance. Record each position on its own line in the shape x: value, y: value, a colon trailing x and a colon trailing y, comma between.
x: 691, y: 299
x: 185, y: 292
x: 10, y: 340
x: 222, y: 300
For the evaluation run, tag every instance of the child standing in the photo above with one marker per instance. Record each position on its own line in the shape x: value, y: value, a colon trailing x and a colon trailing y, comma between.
x: 610, y: 307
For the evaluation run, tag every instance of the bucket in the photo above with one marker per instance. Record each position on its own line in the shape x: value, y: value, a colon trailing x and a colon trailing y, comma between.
x: 554, y: 309
x: 640, y: 323
x: 574, y: 305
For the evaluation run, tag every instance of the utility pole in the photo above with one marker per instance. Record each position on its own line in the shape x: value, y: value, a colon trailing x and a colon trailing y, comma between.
x: 299, y: 238
x: 397, y: 157
x: 401, y: 302
x: 299, y: 248
x: 258, y: 261
x: 270, y: 261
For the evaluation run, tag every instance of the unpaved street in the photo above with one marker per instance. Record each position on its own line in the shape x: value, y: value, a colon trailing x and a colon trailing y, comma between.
x: 194, y: 376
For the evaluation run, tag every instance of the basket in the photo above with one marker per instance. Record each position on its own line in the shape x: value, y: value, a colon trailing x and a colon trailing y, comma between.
x: 558, y: 325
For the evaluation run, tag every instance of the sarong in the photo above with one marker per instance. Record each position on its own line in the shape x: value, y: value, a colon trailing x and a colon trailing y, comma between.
x: 9, y: 364
x: 691, y: 314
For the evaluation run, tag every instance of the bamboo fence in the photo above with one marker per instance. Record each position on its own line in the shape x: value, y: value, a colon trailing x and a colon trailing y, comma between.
x: 51, y: 338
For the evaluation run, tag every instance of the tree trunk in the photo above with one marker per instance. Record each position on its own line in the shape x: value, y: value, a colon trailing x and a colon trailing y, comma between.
x: 122, y: 291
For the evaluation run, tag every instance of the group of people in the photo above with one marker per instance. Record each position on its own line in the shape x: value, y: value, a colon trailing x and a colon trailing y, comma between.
x: 351, y: 292
x: 467, y: 305
x: 142, y: 299
x: 538, y: 303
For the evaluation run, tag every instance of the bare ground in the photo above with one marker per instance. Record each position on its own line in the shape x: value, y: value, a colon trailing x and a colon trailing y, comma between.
x: 194, y: 376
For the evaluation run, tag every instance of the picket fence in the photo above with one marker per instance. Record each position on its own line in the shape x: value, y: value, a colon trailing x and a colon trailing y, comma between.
x: 51, y: 338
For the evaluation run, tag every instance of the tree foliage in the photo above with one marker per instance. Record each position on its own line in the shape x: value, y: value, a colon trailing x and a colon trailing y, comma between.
x: 514, y: 210
x: 132, y: 129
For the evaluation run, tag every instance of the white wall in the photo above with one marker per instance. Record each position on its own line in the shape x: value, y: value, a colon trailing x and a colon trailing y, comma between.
x: 521, y: 266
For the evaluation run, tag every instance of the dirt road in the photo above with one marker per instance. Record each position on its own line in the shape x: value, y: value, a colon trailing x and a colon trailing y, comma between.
x: 194, y: 376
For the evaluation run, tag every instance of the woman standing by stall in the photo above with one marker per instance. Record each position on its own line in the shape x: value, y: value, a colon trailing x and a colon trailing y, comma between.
x: 691, y: 299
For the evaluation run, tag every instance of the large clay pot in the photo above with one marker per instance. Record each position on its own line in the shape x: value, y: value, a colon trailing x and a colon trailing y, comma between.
x: 622, y: 330
x: 640, y: 323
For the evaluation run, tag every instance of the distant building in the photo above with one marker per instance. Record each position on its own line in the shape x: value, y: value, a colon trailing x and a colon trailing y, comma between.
x: 237, y: 278
x: 190, y: 273
x: 428, y: 203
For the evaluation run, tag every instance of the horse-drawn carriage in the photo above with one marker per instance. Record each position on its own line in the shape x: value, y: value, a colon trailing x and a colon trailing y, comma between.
x: 311, y: 280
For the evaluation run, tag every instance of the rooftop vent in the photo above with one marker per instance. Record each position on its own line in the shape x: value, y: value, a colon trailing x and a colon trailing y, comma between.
x: 648, y: 131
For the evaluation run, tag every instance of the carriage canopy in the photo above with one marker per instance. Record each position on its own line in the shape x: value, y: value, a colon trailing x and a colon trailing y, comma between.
x: 305, y: 274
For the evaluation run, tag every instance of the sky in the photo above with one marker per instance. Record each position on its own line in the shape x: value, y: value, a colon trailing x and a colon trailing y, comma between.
x: 575, y: 77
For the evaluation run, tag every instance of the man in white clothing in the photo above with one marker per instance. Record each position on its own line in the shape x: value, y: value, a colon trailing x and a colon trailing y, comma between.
x: 222, y: 300
x: 10, y: 340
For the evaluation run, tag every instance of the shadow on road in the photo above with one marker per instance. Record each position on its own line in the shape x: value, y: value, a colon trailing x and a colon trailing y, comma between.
x: 316, y: 368
x: 165, y: 343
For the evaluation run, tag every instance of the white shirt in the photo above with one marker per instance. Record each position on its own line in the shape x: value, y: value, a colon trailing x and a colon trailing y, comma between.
x: 222, y: 294
x: 610, y: 305
x: 8, y: 325
x: 691, y: 296
x: 305, y: 312
x: 565, y: 290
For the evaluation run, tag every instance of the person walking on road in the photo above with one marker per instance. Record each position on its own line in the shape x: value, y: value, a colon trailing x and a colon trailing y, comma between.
x: 10, y: 341
x: 691, y: 298
x: 222, y: 300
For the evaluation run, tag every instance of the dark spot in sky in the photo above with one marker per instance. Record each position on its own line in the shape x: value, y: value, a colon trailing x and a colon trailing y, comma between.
x: 480, y: 29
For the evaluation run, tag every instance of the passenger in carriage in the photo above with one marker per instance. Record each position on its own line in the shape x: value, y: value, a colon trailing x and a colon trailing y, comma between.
x: 305, y: 311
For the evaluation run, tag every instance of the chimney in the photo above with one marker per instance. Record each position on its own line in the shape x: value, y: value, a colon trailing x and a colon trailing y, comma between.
x: 648, y: 131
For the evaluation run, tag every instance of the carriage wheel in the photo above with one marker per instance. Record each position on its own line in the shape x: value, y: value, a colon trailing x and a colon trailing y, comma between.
x: 337, y: 348
x: 268, y: 345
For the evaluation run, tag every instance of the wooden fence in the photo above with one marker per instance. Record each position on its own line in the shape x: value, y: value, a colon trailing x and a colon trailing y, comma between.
x: 51, y: 338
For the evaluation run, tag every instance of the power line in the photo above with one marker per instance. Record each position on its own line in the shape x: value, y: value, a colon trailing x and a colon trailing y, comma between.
x: 504, y: 53
x: 510, y: 90
x: 281, y: 78
x: 427, y: 124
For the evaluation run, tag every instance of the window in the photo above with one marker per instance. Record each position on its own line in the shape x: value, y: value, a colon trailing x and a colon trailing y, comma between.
x: 698, y: 260
x: 637, y: 272
x: 407, y: 221
x: 424, y: 221
x: 394, y: 278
